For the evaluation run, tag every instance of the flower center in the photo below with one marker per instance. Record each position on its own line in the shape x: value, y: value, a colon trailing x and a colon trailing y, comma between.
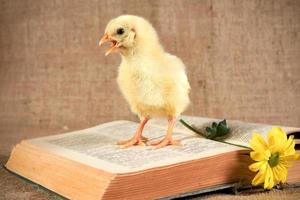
x: 274, y: 159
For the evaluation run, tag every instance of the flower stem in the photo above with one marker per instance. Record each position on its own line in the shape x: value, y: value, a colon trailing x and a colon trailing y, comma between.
x: 203, y: 135
x: 238, y: 145
x: 192, y: 128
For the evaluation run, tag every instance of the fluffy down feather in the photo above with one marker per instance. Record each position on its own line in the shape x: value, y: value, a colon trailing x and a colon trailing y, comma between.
x: 154, y: 87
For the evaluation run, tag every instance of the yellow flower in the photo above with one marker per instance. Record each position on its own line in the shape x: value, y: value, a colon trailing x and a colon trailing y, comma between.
x: 272, y: 158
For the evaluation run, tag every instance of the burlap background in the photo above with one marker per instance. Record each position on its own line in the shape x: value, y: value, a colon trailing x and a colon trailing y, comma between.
x: 242, y: 59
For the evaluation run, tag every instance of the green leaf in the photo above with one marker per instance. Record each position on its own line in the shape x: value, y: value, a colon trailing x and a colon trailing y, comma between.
x: 208, y: 129
x: 223, y: 122
x: 214, y: 124
x: 217, y: 130
x: 212, y: 135
x: 222, y: 129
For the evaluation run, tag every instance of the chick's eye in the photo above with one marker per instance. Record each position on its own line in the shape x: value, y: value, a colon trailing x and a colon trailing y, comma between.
x: 120, y: 31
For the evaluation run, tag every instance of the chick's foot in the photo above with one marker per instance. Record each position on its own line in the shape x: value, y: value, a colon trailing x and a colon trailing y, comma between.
x: 137, y: 139
x: 133, y: 142
x: 165, y: 142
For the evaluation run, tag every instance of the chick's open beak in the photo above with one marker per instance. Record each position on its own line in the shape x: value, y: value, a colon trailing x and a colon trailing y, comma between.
x: 113, y: 46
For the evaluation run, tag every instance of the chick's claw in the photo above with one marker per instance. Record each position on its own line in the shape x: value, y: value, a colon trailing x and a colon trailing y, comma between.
x: 133, y: 142
x: 165, y: 142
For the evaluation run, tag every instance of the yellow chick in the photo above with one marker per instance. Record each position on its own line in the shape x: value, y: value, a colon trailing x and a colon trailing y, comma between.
x: 153, y: 81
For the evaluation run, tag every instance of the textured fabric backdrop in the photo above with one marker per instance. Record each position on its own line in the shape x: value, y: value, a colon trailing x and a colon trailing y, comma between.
x: 242, y: 58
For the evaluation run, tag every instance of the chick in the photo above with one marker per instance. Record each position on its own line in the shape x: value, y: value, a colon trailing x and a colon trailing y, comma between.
x: 153, y: 82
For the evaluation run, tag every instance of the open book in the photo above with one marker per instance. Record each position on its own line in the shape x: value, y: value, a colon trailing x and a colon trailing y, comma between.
x: 87, y: 164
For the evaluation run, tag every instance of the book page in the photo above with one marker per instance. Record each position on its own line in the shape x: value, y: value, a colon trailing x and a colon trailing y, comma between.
x: 240, y: 132
x: 97, y: 147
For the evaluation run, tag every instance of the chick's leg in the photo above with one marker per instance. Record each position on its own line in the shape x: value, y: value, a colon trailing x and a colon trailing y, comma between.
x: 137, y: 139
x: 168, y: 140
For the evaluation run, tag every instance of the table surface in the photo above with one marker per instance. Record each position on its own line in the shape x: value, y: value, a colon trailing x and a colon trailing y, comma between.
x: 14, y: 187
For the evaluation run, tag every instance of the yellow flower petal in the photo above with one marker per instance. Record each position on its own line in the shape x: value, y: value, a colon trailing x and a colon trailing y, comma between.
x: 269, y: 179
x: 277, y: 139
x: 281, y: 173
x: 290, y: 146
x: 291, y: 157
x: 277, y: 175
x: 287, y: 160
x: 258, y: 166
x: 258, y: 179
x: 258, y: 143
x: 260, y: 156
x: 257, y: 156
